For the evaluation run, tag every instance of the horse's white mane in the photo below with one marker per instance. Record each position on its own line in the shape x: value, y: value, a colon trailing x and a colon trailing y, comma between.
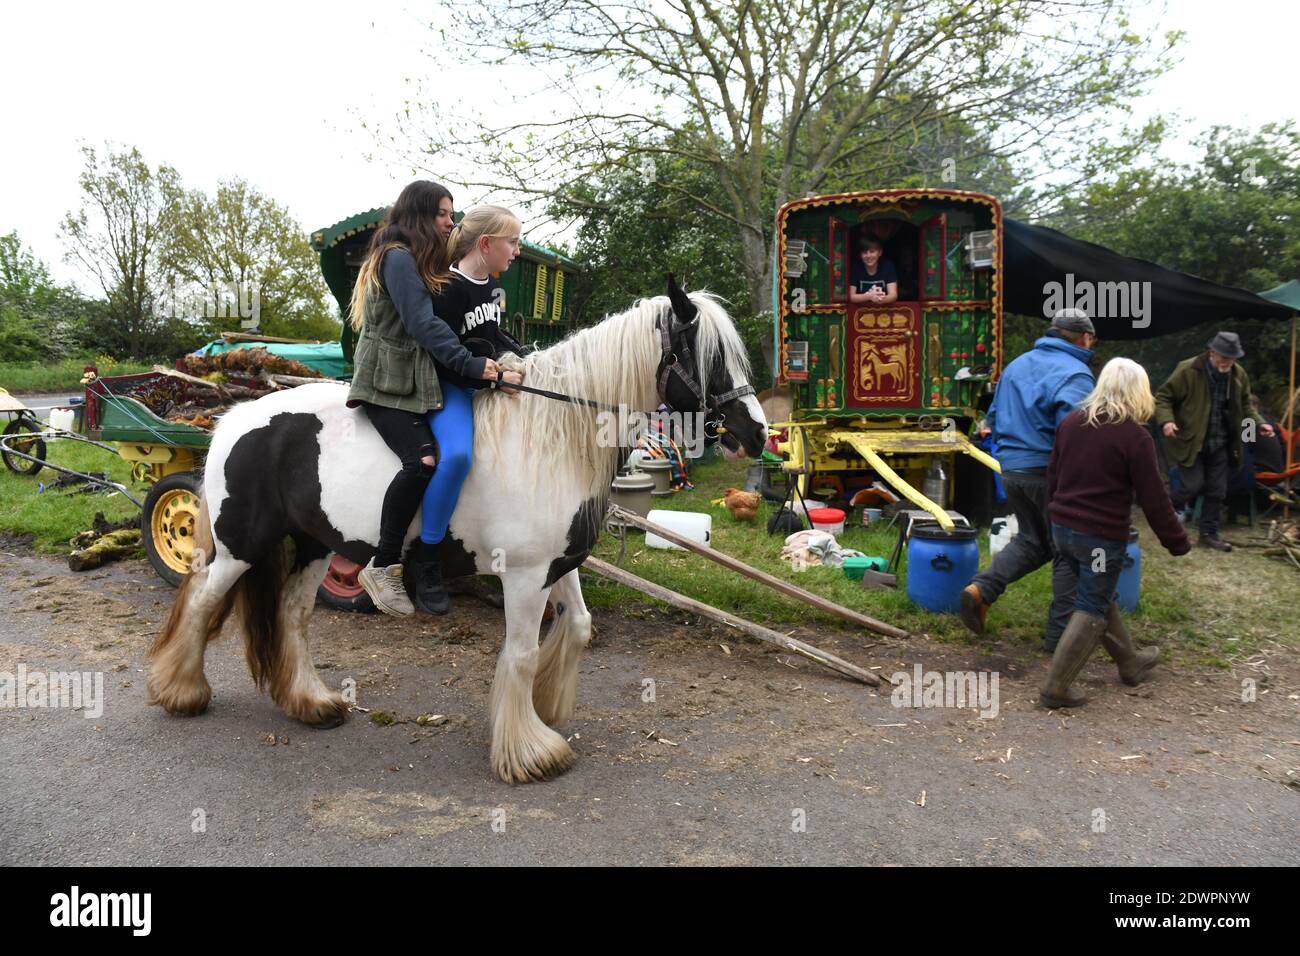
x: 613, y: 362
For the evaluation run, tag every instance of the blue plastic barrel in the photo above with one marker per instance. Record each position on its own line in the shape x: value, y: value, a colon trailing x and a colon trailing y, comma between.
x: 939, y: 564
x: 1130, y: 579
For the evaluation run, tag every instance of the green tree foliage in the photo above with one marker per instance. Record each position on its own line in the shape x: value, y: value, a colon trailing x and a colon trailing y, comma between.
x: 39, y: 319
x: 238, y: 255
x: 635, y: 225
x: 176, y: 267
x: 1232, y: 218
x: 116, y: 236
x: 784, y: 98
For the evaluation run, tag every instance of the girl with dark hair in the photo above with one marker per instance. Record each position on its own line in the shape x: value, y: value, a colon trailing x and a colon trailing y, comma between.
x: 395, y: 379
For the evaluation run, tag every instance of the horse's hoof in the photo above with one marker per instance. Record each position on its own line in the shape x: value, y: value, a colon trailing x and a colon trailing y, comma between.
x: 189, y: 702
x: 330, y: 722
x: 544, y: 763
x: 323, y: 714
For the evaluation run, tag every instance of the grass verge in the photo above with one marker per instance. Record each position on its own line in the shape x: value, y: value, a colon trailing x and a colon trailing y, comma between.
x: 47, y: 519
x: 1208, y: 607
x: 63, y: 375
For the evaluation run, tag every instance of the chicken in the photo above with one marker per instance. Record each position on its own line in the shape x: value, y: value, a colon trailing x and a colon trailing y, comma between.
x: 743, y: 505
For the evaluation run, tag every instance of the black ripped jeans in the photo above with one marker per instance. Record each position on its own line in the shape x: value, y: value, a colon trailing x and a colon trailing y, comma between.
x: 408, y: 435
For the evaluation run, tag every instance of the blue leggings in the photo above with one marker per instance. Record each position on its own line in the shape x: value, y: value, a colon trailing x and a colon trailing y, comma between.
x: 453, y: 428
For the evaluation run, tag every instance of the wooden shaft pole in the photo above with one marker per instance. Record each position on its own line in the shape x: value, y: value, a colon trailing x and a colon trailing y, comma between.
x: 785, y: 587
x: 764, y: 634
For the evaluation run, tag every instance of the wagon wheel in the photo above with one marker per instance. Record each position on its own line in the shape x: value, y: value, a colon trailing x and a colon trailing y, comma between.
x: 31, y: 446
x: 341, y: 589
x: 167, y: 526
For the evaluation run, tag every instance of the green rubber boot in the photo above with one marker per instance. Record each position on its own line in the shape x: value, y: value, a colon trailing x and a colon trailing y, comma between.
x: 1135, y: 664
x: 1081, y: 637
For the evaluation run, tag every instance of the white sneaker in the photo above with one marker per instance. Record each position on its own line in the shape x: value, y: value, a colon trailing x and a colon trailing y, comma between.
x: 384, y: 585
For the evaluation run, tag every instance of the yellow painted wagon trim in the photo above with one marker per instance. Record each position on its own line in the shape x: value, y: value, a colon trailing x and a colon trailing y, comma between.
x: 871, y: 445
x: 155, y: 462
x: 895, y: 480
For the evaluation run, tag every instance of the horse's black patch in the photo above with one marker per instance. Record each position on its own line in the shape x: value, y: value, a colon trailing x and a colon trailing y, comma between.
x: 583, y: 530
x: 273, y: 479
x: 455, y: 559
x: 306, y: 551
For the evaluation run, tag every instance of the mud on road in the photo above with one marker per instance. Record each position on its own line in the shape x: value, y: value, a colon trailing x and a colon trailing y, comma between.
x: 744, y: 754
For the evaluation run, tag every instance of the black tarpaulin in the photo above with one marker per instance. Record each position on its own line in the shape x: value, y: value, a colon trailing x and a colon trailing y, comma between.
x: 1127, y: 298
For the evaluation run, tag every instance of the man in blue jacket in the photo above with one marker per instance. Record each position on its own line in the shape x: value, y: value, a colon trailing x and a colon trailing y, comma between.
x: 1036, y: 391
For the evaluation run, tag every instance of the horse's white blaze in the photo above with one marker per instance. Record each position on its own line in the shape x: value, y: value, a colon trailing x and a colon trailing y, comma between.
x: 754, y: 408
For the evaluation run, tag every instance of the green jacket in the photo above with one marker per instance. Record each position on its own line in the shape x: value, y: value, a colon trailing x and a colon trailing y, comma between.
x: 390, y: 367
x: 1185, y: 400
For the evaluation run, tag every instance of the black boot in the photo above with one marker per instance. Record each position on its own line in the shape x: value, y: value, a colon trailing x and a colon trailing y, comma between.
x: 430, y: 595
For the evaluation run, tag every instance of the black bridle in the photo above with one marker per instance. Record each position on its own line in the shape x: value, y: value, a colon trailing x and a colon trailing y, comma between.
x: 677, y: 358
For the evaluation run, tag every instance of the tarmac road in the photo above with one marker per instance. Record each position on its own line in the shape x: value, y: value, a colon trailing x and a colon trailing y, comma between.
x: 753, y: 745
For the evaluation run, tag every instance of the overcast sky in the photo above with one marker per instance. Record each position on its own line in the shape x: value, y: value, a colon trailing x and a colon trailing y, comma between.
x: 274, y: 91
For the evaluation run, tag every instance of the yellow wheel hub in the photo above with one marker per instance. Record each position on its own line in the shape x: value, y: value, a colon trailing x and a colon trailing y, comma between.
x: 172, y: 526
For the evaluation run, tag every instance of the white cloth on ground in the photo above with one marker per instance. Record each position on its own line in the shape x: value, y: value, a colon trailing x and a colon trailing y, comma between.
x: 816, y: 548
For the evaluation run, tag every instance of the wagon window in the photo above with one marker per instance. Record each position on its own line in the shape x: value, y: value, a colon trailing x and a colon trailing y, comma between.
x: 900, y: 241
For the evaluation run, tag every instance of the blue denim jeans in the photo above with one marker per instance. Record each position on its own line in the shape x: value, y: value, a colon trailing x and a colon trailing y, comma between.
x: 1096, y: 564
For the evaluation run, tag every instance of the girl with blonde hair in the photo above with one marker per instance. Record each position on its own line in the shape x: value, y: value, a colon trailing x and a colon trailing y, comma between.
x: 1102, y: 457
x: 481, y: 247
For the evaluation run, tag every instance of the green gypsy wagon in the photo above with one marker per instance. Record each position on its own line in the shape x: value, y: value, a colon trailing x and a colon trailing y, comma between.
x: 889, y: 391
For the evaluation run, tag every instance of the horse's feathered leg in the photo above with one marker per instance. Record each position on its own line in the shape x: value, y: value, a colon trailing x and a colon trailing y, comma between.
x: 293, y: 679
x: 203, y: 602
x: 523, y: 748
x: 555, y: 690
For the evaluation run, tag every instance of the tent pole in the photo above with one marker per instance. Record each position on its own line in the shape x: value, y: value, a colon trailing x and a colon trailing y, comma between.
x: 1290, y: 420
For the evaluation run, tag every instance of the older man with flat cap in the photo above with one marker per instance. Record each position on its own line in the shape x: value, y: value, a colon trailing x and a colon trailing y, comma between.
x: 1203, y: 409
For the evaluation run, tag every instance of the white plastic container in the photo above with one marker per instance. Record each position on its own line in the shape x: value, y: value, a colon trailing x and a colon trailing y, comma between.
x: 803, y: 505
x: 833, y: 527
x: 1001, y: 531
x: 62, y: 418
x: 689, y: 524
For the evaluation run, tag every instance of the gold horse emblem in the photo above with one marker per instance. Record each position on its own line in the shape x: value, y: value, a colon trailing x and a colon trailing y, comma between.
x: 889, y: 362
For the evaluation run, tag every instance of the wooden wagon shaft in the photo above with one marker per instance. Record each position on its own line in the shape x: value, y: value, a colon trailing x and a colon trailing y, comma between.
x: 749, y: 627
x: 288, y: 381
x: 250, y: 337
x: 226, y: 391
x: 785, y: 587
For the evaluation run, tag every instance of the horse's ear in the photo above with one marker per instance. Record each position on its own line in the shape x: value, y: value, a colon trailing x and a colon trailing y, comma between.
x: 683, y: 307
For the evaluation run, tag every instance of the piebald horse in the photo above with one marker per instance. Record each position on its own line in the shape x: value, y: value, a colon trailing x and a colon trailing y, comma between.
x: 296, y: 476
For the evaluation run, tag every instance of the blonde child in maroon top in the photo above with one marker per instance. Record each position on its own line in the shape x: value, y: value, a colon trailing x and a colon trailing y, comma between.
x: 1102, y: 458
